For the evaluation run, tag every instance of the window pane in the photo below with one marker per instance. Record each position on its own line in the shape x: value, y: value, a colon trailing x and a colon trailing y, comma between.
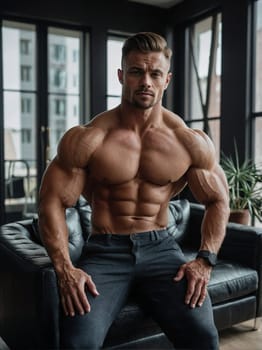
x: 258, y: 58
x: 201, y: 37
x: 64, y: 113
x: 19, y: 57
x: 114, y: 53
x: 63, y: 84
x: 63, y: 60
x: 214, y: 126
x: 113, y: 102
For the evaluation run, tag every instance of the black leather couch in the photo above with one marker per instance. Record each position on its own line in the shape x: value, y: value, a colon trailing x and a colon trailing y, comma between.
x: 29, y: 301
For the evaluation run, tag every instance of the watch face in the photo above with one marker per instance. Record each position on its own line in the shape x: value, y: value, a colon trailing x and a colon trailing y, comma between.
x: 210, y: 257
x: 213, y: 258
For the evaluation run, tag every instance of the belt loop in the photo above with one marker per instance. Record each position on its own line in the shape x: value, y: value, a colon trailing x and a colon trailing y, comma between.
x: 155, y: 235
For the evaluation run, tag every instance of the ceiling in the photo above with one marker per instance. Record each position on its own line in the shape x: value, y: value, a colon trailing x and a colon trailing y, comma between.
x: 159, y: 3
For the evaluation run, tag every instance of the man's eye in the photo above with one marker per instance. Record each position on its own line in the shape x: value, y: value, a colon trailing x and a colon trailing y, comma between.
x: 156, y: 74
x: 135, y: 72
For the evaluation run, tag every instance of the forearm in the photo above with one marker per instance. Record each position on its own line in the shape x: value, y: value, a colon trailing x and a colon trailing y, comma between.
x: 214, y: 226
x: 54, y: 234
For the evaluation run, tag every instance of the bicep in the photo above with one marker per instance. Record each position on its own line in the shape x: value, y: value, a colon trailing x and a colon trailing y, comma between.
x: 61, y: 185
x: 208, y: 185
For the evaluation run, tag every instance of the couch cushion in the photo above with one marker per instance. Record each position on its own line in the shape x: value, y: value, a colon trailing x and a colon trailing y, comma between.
x: 178, y: 217
x: 229, y: 280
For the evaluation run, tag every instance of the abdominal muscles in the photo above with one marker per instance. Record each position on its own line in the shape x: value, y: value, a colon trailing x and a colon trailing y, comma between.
x: 135, y: 206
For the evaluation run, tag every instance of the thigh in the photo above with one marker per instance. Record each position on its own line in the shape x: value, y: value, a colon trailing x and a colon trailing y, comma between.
x: 164, y: 299
x: 111, y: 274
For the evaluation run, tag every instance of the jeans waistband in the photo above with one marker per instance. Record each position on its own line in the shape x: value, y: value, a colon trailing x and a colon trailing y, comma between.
x: 152, y: 235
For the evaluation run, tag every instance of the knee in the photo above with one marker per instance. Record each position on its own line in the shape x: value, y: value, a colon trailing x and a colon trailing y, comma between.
x: 76, y: 333
x: 200, y: 335
x: 209, y: 336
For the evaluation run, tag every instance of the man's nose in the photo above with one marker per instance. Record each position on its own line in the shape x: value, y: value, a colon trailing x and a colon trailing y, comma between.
x: 145, y: 81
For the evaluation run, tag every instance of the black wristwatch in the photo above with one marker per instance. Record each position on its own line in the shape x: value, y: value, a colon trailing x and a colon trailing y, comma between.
x: 211, y: 258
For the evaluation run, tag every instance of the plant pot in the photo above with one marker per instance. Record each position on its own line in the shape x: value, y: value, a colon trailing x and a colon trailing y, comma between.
x: 240, y: 216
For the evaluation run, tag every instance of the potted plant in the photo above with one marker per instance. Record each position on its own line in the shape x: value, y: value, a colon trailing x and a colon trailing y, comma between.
x: 245, y: 188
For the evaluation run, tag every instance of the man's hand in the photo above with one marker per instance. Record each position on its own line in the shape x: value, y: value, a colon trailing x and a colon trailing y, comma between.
x: 72, y: 286
x: 197, y: 273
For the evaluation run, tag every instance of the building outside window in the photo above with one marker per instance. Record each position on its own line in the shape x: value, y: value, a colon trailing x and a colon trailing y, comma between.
x: 59, y: 52
x: 20, y: 95
x: 203, y: 77
x: 60, y: 107
x: 25, y: 45
x: 26, y: 105
x: 63, y: 83
x: 26, y: 135
x: 26, y: 73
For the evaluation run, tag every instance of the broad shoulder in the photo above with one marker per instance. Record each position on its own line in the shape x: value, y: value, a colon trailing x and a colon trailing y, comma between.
x: 199, y: 146
x: 78, y: 144
x: 196, y: 142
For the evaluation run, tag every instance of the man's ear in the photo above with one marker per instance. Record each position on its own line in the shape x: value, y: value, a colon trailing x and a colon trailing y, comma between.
x: 120, y: 75
x: 168, y: 78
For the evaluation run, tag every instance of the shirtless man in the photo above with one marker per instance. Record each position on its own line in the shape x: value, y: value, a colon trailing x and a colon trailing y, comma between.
x: 128, y: 163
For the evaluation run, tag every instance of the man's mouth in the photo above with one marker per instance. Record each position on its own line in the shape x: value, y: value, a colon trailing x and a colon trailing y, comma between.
x: 145, y: 92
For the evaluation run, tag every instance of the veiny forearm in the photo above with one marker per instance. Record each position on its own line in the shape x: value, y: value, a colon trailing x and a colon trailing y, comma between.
x: 214, y: 225
x: 54, y: 234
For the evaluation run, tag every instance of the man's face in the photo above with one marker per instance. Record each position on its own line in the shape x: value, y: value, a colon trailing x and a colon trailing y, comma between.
x: 144, y: 77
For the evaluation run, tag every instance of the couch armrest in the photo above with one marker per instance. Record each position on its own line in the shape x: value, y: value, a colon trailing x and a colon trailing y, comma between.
x: 29, y: 300
x: 243, y: 244
x: 18, y: 250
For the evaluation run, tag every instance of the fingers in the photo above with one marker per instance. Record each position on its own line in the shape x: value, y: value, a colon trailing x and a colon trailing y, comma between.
x: 180, y: 274
x: 196, y: 293
x: 73, y: 295
x: 91, y: 286
x: 197, y: 275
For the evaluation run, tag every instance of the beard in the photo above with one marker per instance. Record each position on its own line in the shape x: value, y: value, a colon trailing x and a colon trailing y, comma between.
x: 140, y: 101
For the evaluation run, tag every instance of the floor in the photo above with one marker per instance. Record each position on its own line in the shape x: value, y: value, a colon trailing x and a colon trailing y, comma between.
x: 240, y: 337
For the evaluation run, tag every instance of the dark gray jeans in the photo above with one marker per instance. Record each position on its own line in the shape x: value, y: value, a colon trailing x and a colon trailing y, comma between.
x: 146, y: 262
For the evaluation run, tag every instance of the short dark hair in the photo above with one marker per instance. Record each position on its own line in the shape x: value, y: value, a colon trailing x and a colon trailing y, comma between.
x: 146, y: 42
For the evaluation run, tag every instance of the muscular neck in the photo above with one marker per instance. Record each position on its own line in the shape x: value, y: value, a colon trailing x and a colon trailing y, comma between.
x: 139, y: 119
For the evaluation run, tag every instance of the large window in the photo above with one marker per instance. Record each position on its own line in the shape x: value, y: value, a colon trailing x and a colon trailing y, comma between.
x: 40, y: 104
x: 257, y: 82
x: 114, y: 53
x: 63, y: 83
x: 203, y: 83
x: 20, y: 95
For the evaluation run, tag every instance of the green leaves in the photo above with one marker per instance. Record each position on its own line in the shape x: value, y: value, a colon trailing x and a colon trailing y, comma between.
x: 245, y: 184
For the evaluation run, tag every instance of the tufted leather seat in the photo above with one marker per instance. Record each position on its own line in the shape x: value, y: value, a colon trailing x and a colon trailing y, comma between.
x: 29, y: 301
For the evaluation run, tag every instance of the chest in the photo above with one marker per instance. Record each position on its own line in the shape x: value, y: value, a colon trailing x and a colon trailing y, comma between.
x: 157, y: 158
